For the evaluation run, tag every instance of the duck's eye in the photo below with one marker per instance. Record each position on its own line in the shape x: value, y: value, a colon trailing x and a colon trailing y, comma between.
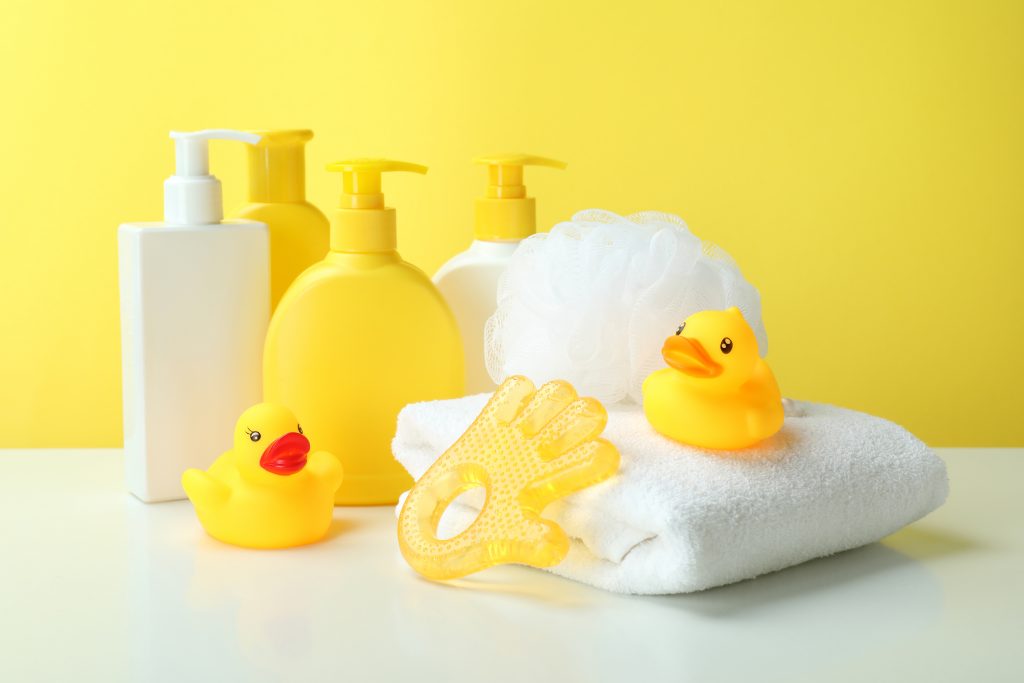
x: 679, y: 330
x: 300, y: 429
x: 726, y: 345
x: 254, y: 436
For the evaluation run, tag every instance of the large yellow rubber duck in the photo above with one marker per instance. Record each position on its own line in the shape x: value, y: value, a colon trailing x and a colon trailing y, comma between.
x: 267, y: 491
x: 717, y: 391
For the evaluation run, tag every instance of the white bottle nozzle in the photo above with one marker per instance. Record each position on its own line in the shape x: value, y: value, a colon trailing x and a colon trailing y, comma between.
x: 192, y: 196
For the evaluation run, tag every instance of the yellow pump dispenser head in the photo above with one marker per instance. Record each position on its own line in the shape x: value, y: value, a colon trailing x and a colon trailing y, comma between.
x: 362, y: 223
x: 505, y: 213
x: 277, y: 166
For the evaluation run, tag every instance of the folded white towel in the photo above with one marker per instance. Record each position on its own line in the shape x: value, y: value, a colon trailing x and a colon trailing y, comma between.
x: 677, y: 519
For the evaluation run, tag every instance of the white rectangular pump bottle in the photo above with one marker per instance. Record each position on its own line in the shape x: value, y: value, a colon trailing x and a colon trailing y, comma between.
x: 195, y: 304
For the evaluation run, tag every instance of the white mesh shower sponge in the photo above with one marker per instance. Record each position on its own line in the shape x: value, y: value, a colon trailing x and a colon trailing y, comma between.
x: 593, y: 300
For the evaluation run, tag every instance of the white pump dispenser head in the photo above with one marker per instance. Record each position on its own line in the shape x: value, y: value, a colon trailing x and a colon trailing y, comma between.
x: 192, y: 196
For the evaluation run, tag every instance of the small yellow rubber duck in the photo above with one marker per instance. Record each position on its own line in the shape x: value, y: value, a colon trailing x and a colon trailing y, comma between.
x: 717, y: 392
x: 267, y: 491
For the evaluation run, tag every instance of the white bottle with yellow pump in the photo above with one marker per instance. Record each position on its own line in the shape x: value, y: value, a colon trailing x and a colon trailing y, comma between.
x: 360, y: 335
x: 469, y: 280
x: 195, y: 300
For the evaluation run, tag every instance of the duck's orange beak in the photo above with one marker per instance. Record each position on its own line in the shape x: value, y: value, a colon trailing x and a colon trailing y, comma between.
x: 286, y: 455
x: 688, y: 356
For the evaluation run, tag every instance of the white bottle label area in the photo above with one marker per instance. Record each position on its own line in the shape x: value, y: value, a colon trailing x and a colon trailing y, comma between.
x: 194, y: 312
x: 469, y: 283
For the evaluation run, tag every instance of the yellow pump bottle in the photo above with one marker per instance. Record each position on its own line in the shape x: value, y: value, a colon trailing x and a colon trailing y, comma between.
x: 299, y: 232
x: 360, y: 335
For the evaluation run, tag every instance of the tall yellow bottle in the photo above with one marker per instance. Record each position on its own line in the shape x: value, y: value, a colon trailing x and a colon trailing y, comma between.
x: 360, y: 335
x: 299, y: 232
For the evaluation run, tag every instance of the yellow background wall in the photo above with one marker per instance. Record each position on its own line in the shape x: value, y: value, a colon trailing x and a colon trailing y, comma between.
x: 862, y: 162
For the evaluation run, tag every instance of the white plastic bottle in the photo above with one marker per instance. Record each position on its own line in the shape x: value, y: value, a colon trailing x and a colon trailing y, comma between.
x: 195, y: 303
x: 469, y: 280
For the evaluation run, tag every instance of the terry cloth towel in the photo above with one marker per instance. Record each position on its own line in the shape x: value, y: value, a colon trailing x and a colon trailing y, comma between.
x: 677, y: 519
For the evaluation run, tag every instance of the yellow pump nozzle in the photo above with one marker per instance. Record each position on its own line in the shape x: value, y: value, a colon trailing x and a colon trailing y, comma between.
x: 287, y: 136
x: 362, y: 223
x: 505, y: 212
x: 361, y: 180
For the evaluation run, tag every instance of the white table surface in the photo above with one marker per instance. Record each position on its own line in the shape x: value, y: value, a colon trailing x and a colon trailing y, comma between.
x: 97, y: 586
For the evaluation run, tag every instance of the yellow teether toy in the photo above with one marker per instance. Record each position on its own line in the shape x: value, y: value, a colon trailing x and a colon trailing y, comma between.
x: 526, y: 448
x: 267, y: 491
x: 717, y: 391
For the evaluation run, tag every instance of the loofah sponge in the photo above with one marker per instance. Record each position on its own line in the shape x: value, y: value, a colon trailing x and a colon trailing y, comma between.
x: 592, y: 301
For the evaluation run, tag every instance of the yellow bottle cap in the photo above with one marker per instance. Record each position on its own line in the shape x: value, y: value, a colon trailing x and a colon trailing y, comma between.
x: 362, y: 223
x: 277, y: 166
x: 505, y: 212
